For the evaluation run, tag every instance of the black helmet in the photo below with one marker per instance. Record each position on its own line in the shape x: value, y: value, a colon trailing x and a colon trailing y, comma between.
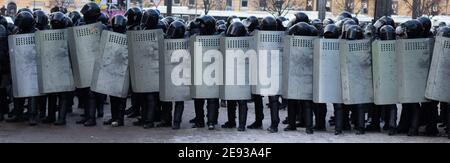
x: 236, y: 29
x: 221, y: 28
x: 163, y: 25
x: 281, y: 23
x: 41, y: 19
x: 387, y: 32
x: 346, y: 25
x: 314, y: 31
x: 230, y: 19
x: 251, y: 23
x: 328, y: 21
x: 207, y: 25
x: 426, y: 23
x: 169, y: 19
x: 385, y: 20
x: 340, y: 23
x: 300, y: 17
x: 25, y: 21
x: 269, y: 23
x: 57, y: 20
x: 317, y: 23
x: 176, y: 30
x: 134, y: 16
x: 119, y: 23
x: 343, y: 15
x: 220, y: 22
x: 194, y: 27
x: 354, y: 32
x: 300, y: 29
x: 104, y: 18
x: 356, y: 20
x: 444, y: 32
x: 150, y: 19
x: 91, y: 12
x: 331, y: 31
x: 410, y: 29
x: 75, y: 16
x: 55, y: 9
x: 25, y: 9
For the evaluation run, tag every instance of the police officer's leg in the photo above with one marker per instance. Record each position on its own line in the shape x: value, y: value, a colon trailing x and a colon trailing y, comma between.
x: 119, y: 119
x: 415, y: 120
x: 134, y: 110
x: 114, y: 103
x: 274, y: 114
x: 430, y: 109
x: 83, y: 102
x: 443, y: 114
x: 212, y: 106
x: 17, y: 111
x: 92, y: 109
x: 100, y: 104
x: 307, y: 106
x: 259, y: 115
x: 149, y: 105
x: 199, y: 113
x: 243, y: 109
x: 52, y: 107
x: 4, y: 106
x: 293, y: 108
x: 64, y: 104
x: 339, y: 118
x: 360, y: 112
x: 231, y: 114
x: 320, y: 113
x: 374, y: 125
x: 166, y: 114
x: 392, y: 110
x: 178, y: 114
x: 404, y: 123
x: 158, y: 109
x: 42, y: 106
x: 33, y: 111
x: 448, y: 120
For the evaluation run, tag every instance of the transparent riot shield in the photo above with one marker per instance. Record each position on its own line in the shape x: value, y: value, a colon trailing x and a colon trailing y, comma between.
x: 327, y: 87
x: 269, y: 48
x: 23, y: 58
x: 438, y: 87
x: 84, y: 44
x: 206, y: 66
x: 111, y: 75
x: 298, y: 68
x: 413, y: 63
x: 175, y: 70
x: 384, y: 72
x: 54, y: 67
x: 356, y: 71
x: 143, y: 51
x: 236, y: 67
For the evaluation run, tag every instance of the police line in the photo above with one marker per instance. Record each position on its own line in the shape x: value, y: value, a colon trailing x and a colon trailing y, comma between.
x: 311, y: 68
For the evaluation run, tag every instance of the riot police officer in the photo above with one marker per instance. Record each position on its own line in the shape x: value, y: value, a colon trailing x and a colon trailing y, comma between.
x: 95, y: 101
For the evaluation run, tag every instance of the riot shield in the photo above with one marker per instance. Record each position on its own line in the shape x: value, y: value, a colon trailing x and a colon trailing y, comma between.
x: 111, y: 75
x: 269, y: 49
x: 54, y: 67
x: 298, y: 68
x: 438, y: 87
x: 384, y: 72
x: 356, y: 71
x: 23, y: 58
x: 236, y: 67
x: 205, y: 84
x: 327, y: 83
x: 413, y: 63
x: 175, y: 70
x: 84, y: 47
x: 143, y: 50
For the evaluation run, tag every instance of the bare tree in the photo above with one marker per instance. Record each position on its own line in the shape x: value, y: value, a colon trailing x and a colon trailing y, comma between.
x: 348, y: 5
x: 423, y: 7
x: 281, y: 7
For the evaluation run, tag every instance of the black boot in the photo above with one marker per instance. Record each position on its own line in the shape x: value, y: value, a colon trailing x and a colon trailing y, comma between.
x: 339, y: 118
x: 119, y: 119
x: 100, y: 104
x: 360, y: 118
x: 83, y: 103
x: 91, y: 109
x: 231, y: 114
x: 114, y: 111
x: 274, y: 114
x: 166, y: 115
x: 178, y: 115
x: 134, y: 110
x: 17, y: 111
x: 212, y: 107
x: 149, y: 107
x: 157, y: 115
x: 308, y: 116
x: 347, y: 119
x: 33, y: 111
x: 242, y: 115
x: 259, y: 115
x: 4, y: 106
x: 405, y: 118
x: 374, y: 125
x: 392, y: 109
x: 64, y: 104
x: 293, y: 108
x: 415, y: 120
x: 430, y: 110
x: 320, y: 113
x: 42, y: 107
x: 199, y: 113
x: 52, y: 108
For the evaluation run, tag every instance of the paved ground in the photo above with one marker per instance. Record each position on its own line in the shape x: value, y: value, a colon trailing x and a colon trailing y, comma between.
x: 75, y: 133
